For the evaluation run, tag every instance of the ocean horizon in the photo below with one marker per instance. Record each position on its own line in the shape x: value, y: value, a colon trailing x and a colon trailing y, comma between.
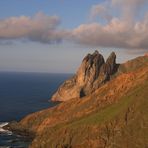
x: 22, y: 93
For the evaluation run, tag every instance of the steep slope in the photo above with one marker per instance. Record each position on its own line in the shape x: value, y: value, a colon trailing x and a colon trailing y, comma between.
x: 92, y: 73
x: 109, y: 117
x: 123, y: 124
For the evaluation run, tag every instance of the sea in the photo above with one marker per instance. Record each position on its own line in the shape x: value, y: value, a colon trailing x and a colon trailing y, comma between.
x: 22, y: 93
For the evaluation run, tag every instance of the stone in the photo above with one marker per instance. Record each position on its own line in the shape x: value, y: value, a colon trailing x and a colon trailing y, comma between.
x: 92, y: 73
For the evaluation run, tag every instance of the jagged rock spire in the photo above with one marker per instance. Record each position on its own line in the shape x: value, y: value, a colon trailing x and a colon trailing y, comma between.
x: 90, y: 67
x: 92, y: 73
x: 110, y: 65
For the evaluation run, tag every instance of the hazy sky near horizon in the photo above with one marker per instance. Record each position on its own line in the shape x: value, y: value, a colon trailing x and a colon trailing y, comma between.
x: 54, y: 35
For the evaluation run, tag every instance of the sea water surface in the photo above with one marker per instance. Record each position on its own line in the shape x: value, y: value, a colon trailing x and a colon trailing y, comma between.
x: 21, y: 94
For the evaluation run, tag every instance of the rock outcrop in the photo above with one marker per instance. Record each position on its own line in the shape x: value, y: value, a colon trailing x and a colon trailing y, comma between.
x: 108, y: 117
x: 92, y: 73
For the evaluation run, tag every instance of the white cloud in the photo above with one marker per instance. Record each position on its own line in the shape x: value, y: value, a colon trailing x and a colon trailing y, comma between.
x: 100, y: 11
x: 121, y: 31
x: 37, y: 28
x: 129, y: 8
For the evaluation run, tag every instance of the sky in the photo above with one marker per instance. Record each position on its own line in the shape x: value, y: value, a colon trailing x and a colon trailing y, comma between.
x: 54, y: 35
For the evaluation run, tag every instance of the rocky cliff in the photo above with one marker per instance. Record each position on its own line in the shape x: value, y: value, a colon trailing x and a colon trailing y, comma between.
x: 92, y: 73
x: 107, y: 118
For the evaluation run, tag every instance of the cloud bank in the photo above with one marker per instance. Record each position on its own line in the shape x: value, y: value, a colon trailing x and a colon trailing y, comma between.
x: 125, y: 30
x: 117, y: 33
x: 123, y: 27
x: 40, y: 28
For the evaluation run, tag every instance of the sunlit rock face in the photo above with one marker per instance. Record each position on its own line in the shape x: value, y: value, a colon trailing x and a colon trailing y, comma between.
x: 92, y: 73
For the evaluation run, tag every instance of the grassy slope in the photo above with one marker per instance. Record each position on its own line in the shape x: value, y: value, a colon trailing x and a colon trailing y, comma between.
x: 121, y: 123
x: 124, y: 124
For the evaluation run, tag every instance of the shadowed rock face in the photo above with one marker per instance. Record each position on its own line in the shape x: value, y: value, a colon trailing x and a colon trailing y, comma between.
x: 92, y: 73
x: 110, y: 64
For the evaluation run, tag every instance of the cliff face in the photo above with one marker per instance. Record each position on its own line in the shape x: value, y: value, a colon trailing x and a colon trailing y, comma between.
x: 92, y: 73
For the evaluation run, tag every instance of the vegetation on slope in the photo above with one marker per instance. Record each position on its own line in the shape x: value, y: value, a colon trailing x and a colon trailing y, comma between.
x: 124, y: 124
x: 115, y: 115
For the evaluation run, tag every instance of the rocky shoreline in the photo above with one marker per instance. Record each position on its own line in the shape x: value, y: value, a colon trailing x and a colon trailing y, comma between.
x: 19, y: 130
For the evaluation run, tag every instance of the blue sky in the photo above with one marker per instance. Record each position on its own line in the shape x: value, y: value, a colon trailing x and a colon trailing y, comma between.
x: 54, y: 35
x: 72, y: 12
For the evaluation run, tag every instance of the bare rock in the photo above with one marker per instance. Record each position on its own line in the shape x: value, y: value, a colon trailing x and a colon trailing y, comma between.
x: 89, y: 71
x: 92, y: 73
x: 68, y: 90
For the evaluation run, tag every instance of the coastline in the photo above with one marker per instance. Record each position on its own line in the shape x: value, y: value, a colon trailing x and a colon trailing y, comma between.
x: 15, y: 136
